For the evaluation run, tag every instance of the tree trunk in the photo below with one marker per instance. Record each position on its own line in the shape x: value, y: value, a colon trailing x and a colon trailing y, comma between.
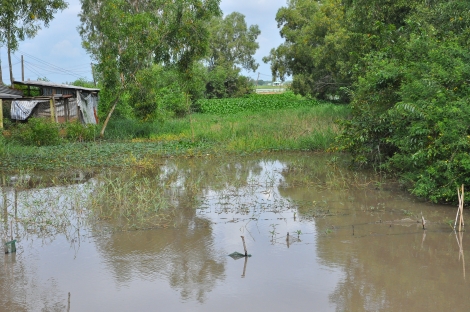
x: 109, y: 116
x: 1, y: 74
x: 9, y: 57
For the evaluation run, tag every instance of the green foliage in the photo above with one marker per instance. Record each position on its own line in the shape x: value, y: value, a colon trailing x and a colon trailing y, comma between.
x: 126, y: 129
x: 411, y: 106
x: 156, y: 94
x: 36, y: 132
x: 314, y: 51
x: 125, y: 38
x: 232, y: 43
x: 77, y: 132
x: 154, y: 32
x: 231, y: 47
x: 254, y: 103
x: 82, y: 82
x: 227, y: 83
x: 23, y: 18
x: 134, y: 143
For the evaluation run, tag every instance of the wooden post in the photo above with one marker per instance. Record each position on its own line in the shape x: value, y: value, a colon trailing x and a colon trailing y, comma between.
x: 66, y: 109
x: 55, y: 109
x: 244, y: 246
x: 1, y: 114
x: 51, y: 107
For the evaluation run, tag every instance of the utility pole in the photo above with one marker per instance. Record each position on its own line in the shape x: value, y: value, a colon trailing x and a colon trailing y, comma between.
x: 22, y: 68
x: 257, y: 81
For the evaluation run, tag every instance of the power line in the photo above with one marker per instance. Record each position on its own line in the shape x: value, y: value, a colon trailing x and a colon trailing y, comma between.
x: 51, y: 68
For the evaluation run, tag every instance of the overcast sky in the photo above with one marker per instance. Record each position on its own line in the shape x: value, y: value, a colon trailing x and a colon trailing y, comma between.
x: 56, y: 52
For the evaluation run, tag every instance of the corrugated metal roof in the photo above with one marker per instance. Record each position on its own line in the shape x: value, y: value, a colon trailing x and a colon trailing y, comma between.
x: 8, y: 90
x: 9, y: 96
x: 47, y: 84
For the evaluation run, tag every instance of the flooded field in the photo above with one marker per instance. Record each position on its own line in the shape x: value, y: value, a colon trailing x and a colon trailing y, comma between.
x: 321, y: 238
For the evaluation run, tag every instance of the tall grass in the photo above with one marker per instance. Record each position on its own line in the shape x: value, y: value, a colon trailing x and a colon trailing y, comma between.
x: 130, y: 201
x: 305, y: 128
x: 131, y: 143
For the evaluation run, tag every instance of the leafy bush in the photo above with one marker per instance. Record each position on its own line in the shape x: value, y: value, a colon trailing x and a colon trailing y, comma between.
x: 77, y: 132
x: 36, y: 132
x: 125, y: 129
x: 411, y: 109
x: 253, y: 103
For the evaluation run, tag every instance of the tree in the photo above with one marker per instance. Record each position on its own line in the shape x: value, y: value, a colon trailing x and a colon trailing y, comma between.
x: 233, y: 43
x: 23, y: 18
x: 125, y: 37
x: 411, y: 102
x: 314, y: 51
x: 231, y: 49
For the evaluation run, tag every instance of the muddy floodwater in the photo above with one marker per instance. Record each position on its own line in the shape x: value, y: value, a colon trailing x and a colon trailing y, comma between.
x: 321, y: 238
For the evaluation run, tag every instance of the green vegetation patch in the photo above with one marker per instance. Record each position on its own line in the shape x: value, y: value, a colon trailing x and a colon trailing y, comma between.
x: 254, y: 103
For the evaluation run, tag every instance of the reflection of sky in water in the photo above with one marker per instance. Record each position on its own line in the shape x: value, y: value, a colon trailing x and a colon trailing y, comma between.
x: 188, y: 268
x: 101, y: 276
x: 276, y: 270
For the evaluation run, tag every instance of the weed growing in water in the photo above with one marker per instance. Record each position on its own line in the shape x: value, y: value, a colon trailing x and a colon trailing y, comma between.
x: 273, y: 231
x: 130, y: 201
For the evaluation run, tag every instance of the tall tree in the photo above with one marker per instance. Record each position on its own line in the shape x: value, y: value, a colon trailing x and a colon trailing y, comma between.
x: 233, y: 43
x: 23, y: 18
x: 232, y: 47
x: 314, y: 50
x: 125, y: 37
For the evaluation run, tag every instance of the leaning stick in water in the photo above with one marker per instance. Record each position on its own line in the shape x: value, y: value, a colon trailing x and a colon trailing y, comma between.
x: 244, y: 246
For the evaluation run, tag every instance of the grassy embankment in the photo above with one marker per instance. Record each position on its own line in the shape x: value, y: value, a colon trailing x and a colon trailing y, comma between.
x: 249, y: 125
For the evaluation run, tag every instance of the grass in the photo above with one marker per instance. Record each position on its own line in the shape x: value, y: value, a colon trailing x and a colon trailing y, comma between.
x: 134, y: 144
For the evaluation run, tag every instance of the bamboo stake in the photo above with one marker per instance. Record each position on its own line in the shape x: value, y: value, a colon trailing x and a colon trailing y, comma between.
x: 459, y: 216
x: 461, y: 208
x: 244, y: 267
x: 244, y: 245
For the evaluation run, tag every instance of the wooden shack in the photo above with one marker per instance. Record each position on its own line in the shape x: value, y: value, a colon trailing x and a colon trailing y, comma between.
x: 59, y: 102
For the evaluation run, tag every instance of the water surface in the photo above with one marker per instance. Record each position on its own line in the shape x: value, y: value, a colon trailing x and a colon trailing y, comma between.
x: 355, y: 243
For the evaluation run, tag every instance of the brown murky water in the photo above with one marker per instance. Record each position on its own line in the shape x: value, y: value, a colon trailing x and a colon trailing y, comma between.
x: 354, y: 244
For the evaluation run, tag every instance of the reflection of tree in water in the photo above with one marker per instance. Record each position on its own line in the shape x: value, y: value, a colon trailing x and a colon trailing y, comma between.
x: 37, y: 214
x: 385, y: 267
x: 184, y: 256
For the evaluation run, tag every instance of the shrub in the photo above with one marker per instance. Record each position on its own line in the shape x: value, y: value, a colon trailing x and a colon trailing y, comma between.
x: 77, y: 132
x: 36, y: 132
